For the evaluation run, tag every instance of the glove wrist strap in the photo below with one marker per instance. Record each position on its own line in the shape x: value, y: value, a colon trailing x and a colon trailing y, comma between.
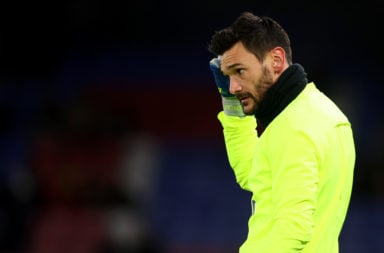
x: 232, y: 106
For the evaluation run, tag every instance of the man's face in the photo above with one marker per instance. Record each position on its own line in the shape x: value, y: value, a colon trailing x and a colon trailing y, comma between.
x: 249, y: 78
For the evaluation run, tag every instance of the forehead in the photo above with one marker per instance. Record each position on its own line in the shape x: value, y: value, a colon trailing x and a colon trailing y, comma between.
x: 236, y: 55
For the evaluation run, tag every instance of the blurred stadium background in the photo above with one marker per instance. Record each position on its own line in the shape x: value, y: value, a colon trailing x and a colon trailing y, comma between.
x: 109, y: 141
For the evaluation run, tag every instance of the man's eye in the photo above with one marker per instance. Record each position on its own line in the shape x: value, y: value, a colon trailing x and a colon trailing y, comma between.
x: 240, y: 71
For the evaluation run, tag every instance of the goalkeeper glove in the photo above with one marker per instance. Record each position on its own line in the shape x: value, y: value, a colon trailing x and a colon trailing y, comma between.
x: 231, y: 105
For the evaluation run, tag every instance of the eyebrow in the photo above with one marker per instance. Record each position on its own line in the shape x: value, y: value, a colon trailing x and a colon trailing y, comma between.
x: 230, y: 67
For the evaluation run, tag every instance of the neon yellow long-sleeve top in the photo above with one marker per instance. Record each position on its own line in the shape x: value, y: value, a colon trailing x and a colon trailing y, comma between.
x: 300, y: 174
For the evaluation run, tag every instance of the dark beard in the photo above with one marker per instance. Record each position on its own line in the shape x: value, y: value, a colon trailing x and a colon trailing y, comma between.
x: 262, y: 87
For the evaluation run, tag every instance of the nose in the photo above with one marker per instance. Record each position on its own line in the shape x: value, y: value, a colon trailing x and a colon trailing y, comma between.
x: 234, y: 85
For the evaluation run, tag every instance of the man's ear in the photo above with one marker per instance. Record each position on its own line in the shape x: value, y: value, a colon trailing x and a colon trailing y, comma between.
x: 279, y: 63
x: 278, y: 57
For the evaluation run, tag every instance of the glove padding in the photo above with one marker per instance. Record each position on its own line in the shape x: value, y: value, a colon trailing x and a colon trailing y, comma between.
x: 222, y: 81
x: 231, y: 105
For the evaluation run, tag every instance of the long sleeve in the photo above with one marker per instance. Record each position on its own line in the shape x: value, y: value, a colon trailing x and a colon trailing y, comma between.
x: 240, y: 140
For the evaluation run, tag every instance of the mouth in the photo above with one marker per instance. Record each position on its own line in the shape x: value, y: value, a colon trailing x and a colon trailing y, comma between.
x: 243, y: 100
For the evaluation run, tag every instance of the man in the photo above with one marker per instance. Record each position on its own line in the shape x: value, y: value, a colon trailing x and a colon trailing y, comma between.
x: 287, y: 142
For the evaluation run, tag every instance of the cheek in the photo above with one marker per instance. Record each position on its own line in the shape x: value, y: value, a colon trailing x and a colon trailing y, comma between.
x: 261, y: 86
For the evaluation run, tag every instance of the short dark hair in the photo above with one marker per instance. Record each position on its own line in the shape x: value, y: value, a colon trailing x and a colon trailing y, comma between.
x: 258, y: 34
